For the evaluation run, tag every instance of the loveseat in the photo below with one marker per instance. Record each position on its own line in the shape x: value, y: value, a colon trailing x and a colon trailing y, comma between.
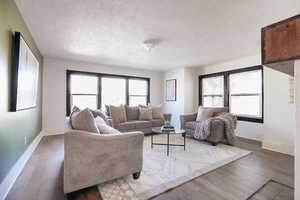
x: 93, y: 158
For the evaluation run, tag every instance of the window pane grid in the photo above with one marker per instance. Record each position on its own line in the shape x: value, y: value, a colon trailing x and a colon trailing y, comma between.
x: 243, y: 92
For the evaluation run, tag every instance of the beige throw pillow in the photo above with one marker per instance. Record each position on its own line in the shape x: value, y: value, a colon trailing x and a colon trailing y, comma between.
x: 104, y: 128
x: 84, y: 120
x: 118, y: 114
x: 157, y: 112
x: 204, y: 113
x: 145, y: 113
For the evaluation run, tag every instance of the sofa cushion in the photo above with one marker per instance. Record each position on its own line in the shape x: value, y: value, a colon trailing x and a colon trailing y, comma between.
x: 125, y: 126
x: 204, y: 113
x: 84, y: 120
x: 191, y: 125
x: 145, y: 113
x: 142, y: 124
x: 132, y: 112
x: 118, y: 114
x: 157, y: 112
x: 157, y: 122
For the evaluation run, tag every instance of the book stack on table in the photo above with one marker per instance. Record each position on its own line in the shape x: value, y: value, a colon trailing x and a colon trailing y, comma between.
x: 167, y: 128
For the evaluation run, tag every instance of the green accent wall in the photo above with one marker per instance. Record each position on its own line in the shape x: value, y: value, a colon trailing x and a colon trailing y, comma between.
x: 14, y: 126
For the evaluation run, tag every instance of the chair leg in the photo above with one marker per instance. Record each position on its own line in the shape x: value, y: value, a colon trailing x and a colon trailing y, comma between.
x: 136, y: 175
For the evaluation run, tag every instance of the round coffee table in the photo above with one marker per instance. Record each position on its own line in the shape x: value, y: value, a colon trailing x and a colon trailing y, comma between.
x: 175, y: 132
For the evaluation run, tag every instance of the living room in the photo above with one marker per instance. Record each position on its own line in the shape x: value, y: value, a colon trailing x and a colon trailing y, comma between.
x: 149, y: 100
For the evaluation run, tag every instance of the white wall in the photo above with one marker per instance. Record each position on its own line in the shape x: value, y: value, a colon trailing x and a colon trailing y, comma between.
x: 54, y: 88
x: 297, y: 136
x: 277, y: 131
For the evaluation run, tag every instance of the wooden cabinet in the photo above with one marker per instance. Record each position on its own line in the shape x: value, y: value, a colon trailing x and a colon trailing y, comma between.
x: 281, y: 41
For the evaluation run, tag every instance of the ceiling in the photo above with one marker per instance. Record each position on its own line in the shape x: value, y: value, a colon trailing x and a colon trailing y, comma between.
x: 191, y: 32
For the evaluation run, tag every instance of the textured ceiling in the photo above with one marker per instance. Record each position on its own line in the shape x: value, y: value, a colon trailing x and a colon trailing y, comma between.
x: 191, y: 32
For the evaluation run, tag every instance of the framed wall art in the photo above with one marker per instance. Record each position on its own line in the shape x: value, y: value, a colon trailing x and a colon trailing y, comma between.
x: 171, y: 90
x: 25, y: 75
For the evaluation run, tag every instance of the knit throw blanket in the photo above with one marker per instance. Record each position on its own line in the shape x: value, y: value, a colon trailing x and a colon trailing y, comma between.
x: 203, y: 129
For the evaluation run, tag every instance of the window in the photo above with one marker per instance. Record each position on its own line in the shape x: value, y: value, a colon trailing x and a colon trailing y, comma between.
x: 113, y: 91
x: 241, y: 90
x: 95, y: 90
x: 245, y: 94
x: 213, y: 91
x: 84, y: 91
x: 138, y: 90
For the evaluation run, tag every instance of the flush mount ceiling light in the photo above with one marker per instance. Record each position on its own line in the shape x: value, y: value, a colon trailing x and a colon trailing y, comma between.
x: 151, y: 43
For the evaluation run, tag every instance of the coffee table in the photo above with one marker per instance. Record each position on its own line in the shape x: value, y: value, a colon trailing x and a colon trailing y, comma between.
x: 175, y: 132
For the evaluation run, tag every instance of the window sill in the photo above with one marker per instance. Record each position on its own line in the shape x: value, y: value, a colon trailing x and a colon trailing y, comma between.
x: 249, y: 119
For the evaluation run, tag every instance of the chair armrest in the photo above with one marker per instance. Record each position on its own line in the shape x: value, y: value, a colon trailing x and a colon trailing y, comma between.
x: 187, y: 118
x: 92, y: 158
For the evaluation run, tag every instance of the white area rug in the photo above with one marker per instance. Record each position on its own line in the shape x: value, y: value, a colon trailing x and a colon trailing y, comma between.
x: 161, y: 172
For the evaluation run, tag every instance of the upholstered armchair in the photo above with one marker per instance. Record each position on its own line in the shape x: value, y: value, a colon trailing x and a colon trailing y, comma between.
x: 188, y: 123
x: 93, y: 158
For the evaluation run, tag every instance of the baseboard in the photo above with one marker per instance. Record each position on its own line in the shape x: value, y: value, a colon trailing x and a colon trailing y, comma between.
x: 53, y: 132
x: 281, y: 148
x: 16, y: 170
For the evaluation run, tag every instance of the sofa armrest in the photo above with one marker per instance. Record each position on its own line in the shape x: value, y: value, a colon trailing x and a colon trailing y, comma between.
x: 92, y: 158
x: 187, y: 118
x: 217, y: 131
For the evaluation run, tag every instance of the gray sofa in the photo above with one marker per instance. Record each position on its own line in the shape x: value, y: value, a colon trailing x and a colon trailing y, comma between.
x: 93, y: 158
x: 188, y: 123
x: 134, y: 124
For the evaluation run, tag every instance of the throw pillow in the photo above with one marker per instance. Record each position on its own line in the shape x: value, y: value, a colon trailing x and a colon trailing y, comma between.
x: 132, y: 112
x: 107, y: 110
x: 74, y: 110
x: 204, y: 113
x: 118, y: 114
x: 157, y: 112
x: 104, y: 128
x: 84, y: 120
x: 145, y: 113
x: 98, y: 113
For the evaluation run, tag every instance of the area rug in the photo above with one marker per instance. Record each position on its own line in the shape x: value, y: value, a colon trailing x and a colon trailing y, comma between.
x: 161, y: 172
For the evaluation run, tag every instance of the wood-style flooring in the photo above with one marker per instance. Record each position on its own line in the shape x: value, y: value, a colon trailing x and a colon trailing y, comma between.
x: 42, y: 177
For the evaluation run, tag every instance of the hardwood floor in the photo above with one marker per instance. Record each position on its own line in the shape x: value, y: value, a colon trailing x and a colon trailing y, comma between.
x: 42, y: 177
x: 275, y: 191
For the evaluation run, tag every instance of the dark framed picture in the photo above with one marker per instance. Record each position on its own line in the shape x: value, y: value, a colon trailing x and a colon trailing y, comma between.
x: 25, y: 75
x: 171, y: 90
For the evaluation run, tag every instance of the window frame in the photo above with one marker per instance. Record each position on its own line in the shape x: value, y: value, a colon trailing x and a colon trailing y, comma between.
x: 101, y: 75
x: 212, y: 76
x: 226, y: 75
x: 83, y: 94
x: 129, y: 95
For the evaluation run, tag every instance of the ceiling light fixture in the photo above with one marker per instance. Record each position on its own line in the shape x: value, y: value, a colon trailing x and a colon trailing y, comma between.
x: 151, y: 43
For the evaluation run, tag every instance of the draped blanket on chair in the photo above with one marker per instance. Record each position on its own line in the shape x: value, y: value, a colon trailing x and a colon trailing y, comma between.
x: 203, y: 128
